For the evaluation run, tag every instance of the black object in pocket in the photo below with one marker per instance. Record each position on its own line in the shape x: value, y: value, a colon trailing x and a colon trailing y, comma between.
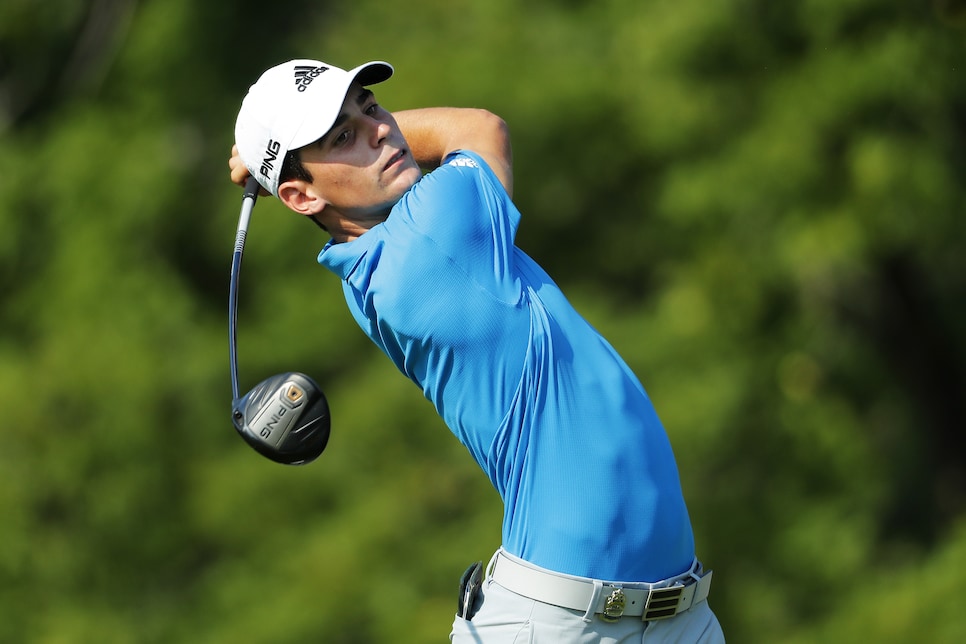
x: 470, y: 584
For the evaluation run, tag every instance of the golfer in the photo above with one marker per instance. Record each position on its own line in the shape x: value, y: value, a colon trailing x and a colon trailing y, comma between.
x: 597, y: 544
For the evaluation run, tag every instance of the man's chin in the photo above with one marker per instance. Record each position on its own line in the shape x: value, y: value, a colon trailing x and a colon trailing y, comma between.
x: 408, y: 178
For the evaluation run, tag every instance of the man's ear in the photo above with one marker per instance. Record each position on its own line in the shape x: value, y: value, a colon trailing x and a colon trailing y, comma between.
x: 301, y: 197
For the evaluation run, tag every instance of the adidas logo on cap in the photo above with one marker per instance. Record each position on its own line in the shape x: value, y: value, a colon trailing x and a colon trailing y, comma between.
x: 305, y: 74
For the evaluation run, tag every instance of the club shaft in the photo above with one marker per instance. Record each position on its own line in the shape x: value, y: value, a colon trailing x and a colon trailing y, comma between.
x: 248, y: 203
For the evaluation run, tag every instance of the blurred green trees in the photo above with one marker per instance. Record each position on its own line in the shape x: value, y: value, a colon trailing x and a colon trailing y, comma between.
x: 758, y: 203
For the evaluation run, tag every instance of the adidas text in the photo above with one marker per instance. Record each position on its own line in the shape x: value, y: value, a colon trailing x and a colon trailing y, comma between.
x: 304, y: 75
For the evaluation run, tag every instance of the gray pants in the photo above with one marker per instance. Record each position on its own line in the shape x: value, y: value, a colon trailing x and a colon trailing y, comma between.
x: 507, y: 618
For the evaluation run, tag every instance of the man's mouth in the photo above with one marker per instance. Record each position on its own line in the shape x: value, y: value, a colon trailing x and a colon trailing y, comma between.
x: 396, y: 158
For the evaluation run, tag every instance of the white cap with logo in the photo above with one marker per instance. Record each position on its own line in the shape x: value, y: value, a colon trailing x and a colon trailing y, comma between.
x: 292, y: 105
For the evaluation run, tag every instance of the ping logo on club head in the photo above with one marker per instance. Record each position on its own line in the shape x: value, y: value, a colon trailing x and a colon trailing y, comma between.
x: 294, y: 395
x: 305, y: 74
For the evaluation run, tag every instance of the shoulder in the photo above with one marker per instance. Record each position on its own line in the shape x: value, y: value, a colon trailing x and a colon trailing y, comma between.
x: 463, y: 181
x: 467, y: 167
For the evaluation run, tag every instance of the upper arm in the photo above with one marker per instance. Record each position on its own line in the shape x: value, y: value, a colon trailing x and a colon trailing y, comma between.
x: 433, y: 133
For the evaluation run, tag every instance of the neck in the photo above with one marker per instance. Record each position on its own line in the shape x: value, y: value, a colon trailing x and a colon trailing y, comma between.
x: 348, y: 230
x: 345, y: 229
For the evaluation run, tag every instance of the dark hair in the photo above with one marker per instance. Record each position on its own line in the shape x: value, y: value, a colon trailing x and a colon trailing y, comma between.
x: 292, y: 168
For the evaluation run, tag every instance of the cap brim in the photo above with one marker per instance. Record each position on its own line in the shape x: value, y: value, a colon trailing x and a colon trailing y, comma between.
x: 372, y: 73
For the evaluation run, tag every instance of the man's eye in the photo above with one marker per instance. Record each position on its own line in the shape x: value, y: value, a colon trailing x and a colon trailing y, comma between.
x: 372, y: 109
x: 342, y: 138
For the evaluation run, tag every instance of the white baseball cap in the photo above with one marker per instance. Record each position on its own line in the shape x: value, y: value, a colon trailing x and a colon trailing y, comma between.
x: 292, y: 105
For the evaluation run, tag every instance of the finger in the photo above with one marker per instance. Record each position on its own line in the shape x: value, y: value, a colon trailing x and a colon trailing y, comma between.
x: 239, y: 174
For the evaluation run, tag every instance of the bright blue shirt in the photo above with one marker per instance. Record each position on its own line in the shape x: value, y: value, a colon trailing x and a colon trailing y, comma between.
x: 556, y: 419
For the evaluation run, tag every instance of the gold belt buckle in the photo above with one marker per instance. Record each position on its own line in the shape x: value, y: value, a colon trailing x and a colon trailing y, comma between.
x: 614, y: 606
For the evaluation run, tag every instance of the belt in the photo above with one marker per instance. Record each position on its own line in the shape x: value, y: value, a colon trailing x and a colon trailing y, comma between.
x: 611, y: 600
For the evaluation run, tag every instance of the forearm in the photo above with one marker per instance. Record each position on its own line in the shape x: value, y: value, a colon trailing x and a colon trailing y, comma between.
x: 434, y: 132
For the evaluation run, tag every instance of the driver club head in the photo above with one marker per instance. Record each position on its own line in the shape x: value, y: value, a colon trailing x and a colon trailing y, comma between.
x: 285, y: 418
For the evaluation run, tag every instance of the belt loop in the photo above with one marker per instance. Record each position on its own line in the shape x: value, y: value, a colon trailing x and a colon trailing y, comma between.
x: 594, y: 599
x: 492, y: 563
x: 696, y: 570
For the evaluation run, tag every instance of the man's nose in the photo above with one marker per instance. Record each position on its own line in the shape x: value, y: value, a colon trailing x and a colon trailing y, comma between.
x: 380, y: 131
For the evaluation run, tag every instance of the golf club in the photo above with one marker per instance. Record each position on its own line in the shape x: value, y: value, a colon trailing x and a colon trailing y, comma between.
x: 286, y: 416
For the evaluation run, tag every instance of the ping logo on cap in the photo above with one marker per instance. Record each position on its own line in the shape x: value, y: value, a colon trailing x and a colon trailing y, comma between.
x: 271, y: 154
x: 305, y: 74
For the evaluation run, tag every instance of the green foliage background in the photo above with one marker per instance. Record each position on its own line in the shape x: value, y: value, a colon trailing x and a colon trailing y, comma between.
x: 758, y: 202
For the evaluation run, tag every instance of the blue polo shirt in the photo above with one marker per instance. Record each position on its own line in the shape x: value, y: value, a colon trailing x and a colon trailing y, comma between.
x: 556, y: 419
